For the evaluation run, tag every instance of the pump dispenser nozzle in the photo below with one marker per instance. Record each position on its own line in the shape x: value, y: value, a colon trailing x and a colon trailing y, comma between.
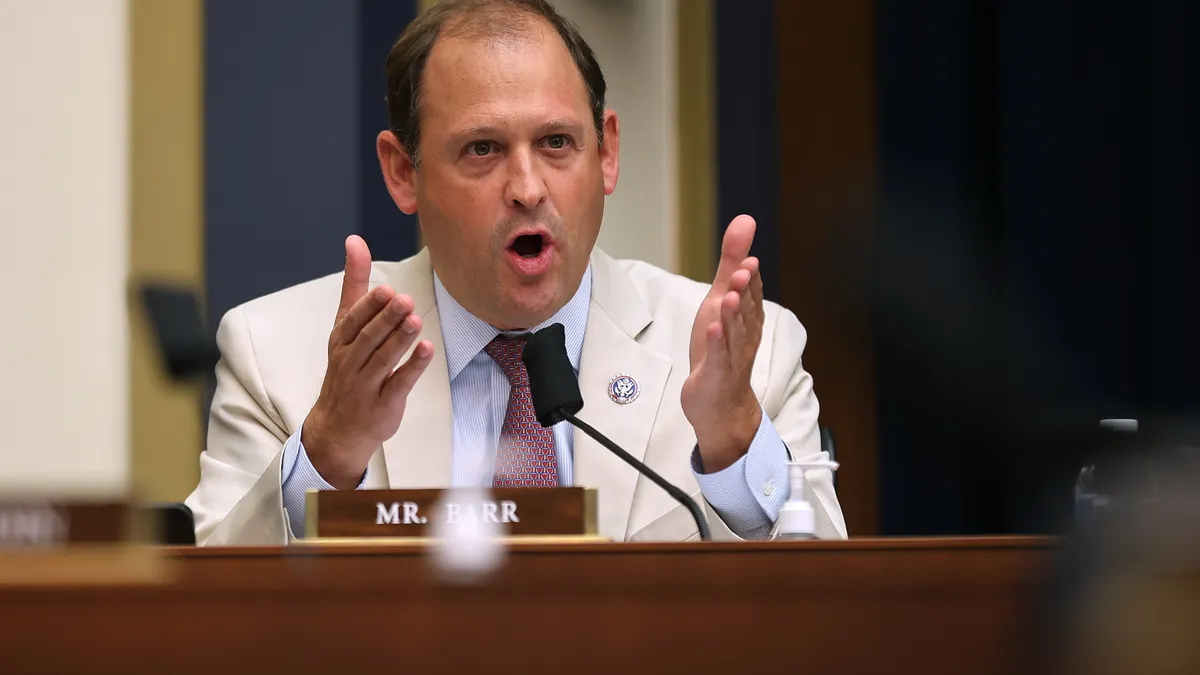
x: 796, y: 517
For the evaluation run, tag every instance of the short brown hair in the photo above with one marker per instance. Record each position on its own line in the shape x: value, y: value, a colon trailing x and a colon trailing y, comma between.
x: 406, y: 63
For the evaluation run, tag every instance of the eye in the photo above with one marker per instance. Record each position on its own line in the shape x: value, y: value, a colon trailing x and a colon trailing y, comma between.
x: 558, y: 141
x: 480, y: 148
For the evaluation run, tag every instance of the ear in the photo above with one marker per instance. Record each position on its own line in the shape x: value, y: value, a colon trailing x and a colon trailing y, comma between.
x: 398, y: 171
x: 610, y: 150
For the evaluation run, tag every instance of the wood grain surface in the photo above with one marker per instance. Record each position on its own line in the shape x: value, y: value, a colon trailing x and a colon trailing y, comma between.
x: 859, y: 606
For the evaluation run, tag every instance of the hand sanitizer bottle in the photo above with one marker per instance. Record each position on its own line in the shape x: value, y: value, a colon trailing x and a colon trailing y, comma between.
x: 796, y: 517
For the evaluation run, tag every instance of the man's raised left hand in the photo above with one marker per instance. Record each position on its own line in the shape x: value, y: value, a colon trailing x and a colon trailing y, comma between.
x: 717, y: 398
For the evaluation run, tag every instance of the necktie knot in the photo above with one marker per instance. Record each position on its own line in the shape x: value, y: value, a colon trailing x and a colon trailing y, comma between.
x: 506, y: 352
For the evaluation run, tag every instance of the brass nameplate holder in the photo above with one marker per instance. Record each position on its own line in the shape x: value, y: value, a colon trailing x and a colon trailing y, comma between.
x: 45, y: 541
x: 560, y: 513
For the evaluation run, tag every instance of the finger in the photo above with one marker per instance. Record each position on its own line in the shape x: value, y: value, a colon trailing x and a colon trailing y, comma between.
x: 751, y: 310
x: 397, y: 387
x: 743, y: 282
x: 716, y: 353
x: 756, y: 282
x: 384, y: 360
x: 740, y: 281
x: 357, y: 275
x: 361, y: 313
x: 377, y: 330
x: 758, y: 314
x: 746, y: 303
x: 732, y: 322
x: 735, y: 246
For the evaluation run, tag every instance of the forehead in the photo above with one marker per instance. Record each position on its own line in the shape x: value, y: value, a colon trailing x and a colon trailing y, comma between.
x: 488, y: 79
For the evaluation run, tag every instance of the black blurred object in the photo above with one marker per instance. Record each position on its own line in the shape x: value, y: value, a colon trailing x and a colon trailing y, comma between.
x: 556, y: 397
x: 174, y: 524
x: 184, y: 344
x: 1123, y: 595
x: 551, y: 376
x: 186, y: 351
x: 827, y: 443
x: 829, y: 447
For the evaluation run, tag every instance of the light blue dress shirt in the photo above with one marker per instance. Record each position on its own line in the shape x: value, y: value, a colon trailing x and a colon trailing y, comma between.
x: 747, y: 494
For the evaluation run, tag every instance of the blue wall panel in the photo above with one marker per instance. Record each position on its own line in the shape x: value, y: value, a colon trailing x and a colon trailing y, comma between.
x: 293, y: 101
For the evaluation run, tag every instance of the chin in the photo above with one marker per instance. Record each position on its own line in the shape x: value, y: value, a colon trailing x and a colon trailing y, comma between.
x: 528, y: 306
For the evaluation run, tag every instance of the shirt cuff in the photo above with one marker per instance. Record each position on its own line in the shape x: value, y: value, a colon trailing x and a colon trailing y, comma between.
x: 298, y: 477
x: 748, y: 494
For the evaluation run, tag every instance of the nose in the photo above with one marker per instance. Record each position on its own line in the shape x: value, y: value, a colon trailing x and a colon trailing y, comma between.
x: 525, y: 187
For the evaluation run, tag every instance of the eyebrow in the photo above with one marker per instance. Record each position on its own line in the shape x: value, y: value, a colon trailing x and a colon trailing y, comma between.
x: 490, y: 130
x: 559, y: 125
x: 478, y: 131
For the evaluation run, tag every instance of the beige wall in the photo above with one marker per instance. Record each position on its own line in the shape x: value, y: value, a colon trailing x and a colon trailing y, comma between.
x: 696, y: 112
x: 635, y: 42
x: 166, y: 239
x: 64, y: 210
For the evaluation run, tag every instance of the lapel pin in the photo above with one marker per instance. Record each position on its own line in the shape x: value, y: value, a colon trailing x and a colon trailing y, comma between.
x: 623, y: 389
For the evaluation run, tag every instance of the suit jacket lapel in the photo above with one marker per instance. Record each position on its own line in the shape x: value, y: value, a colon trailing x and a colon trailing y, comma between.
x: 419, y: 455
x: 610, y: 348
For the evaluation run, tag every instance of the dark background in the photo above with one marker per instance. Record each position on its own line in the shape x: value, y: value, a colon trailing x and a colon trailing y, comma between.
x: 1037, y: 181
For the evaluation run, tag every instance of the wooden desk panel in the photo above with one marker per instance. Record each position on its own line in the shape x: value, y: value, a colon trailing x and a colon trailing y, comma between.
x: 863, y: 606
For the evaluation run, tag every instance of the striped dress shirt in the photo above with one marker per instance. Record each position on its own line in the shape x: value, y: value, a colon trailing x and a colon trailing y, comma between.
x: 479, y: 394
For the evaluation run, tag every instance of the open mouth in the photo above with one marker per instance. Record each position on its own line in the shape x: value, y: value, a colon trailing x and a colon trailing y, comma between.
x: 531, y: 254
x: 528, y: 245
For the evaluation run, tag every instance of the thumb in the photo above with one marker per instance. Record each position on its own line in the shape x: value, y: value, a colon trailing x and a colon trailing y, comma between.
x: 735, y: 248
x: 358, y: 273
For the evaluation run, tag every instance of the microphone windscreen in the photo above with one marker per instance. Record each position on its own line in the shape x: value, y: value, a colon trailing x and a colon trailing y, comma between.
x: 552, y: 382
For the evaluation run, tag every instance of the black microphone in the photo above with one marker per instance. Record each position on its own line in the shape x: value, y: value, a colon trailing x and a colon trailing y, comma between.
x: 556, y: 397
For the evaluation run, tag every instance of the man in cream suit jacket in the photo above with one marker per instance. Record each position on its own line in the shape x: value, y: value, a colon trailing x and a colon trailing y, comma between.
x: 394, y: 374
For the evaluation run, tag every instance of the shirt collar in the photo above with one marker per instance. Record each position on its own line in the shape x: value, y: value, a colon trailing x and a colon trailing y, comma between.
x: 465, y: 335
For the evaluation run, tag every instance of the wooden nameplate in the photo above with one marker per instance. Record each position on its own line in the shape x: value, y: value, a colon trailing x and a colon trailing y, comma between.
x: 521, y: 513
x: 71, y: 542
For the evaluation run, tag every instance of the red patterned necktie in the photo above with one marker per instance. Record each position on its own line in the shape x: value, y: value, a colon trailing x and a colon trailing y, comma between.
x: 525, y: 456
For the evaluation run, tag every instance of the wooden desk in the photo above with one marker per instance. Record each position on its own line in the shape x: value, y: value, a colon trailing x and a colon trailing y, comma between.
x: 862, y: 606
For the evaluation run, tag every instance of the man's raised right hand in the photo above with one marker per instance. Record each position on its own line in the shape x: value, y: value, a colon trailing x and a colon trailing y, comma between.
x: 363, y: 396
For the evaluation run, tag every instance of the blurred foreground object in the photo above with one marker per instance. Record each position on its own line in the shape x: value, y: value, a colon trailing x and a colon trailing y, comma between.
x: 48, y: 542
x: 1091, y: 488
x: 467, y: 550
x: 1128, y: 599
x: 53, y: 539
